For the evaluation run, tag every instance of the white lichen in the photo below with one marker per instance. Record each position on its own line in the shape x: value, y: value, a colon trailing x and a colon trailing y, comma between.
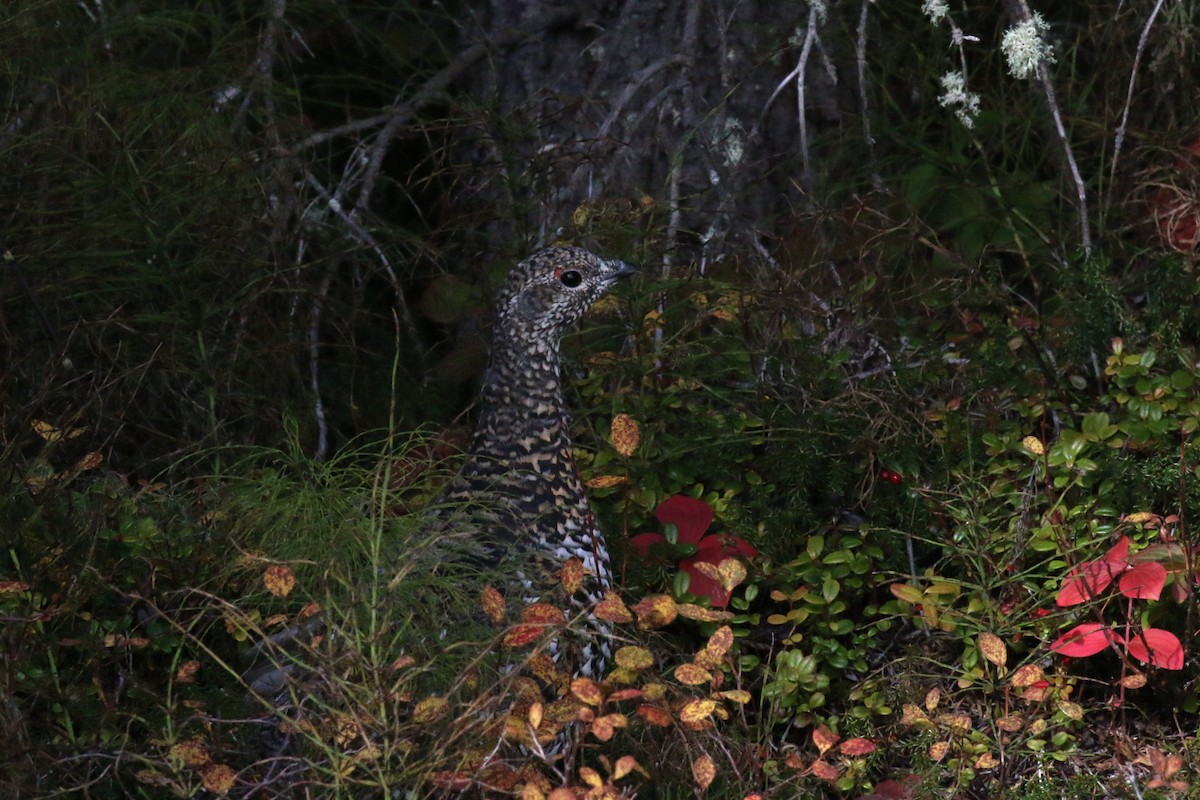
x: 1024, y: 46
x: 936, y: 10
x: 955, y: 96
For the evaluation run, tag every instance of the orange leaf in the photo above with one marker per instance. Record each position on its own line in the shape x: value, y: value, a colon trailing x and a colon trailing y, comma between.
x: 606, y: 481
x: 187, y: 672
x: 932, y: 698
x: 493, y: 604
x: 993, y: 649
x: 10, y: 587
x: 626, y: 765
x: 521, y: 635
x: 279, y: 580
x: 692, y: 675
x: 825, y: 771
x: 655, y: 611
x: 1135, y: 681
x: 824, y: 738
x: 612, y: 609
x: 1027, y: 675
x: 703, y: 771
x: 588, y: 691
x: 542, y: 614
x: 654, y: 715
x: 986, y: 761
x: 938, y: 750
x: 89, y: 461
x: 603, y: 727
x: 857, y: 747
x: 625, y: 434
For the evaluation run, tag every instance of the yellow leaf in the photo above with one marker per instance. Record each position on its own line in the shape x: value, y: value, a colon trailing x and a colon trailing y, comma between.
x: 591, y: 777
x: 279, y: 580
x: 634, y: 658
x: 703, y: 771
x: 218, y: 778
x: 702, y: 614
x: 626, y: 765
x: 1034, y: 445
x: 606, y: 481
x: 993, y: 649
x: 1026, y: 675
x: 938, y: 750
x: 957, y: 723
x: 535, y: 715
x: 913, y: 715
x: 492, y: 603
x: 11, y: 587
x: 655, y: 611
x: 932, y: 698
x: 721, y: 640
x: 697, y: 710
x: 1072, y: 710
x: 731, y: 573
x: 740, y: 696
x: 625, y: 434
x: 190, y: 753
x: 430, y: 709
x: 89, y: 461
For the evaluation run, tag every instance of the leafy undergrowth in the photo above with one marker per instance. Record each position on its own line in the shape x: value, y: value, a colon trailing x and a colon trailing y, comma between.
x: 1030, y: 636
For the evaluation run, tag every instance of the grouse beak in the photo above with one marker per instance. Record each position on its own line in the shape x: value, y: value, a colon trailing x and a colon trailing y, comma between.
x: 622, y: 269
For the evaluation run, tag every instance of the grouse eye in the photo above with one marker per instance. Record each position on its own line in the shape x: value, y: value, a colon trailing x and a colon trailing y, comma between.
x: 571, y: 278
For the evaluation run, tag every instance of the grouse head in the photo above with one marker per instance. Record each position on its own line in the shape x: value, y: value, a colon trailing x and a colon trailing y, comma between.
x: 548, y: 292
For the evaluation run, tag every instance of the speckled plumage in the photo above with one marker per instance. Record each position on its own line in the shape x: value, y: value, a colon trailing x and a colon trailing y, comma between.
x: 519, y: 492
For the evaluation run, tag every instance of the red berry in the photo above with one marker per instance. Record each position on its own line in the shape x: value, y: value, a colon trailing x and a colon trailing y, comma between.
x: 886, y: 474
x: 895, y: 478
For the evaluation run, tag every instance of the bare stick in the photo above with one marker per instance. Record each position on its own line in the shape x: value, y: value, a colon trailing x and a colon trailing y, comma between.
x: 1119, y: 139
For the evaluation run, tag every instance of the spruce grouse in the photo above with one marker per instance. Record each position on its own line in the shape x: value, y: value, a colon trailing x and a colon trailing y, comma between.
x: 519, y: 492
x: 518, y: 500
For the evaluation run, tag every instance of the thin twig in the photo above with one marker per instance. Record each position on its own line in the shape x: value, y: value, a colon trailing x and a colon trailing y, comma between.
x: 1119, y: 139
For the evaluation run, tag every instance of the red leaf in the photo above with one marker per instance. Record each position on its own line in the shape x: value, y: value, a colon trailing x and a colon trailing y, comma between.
x: 1086, y: 581
x: 691, y: 516
x: 644, y: 542
x: 702, y: 585
x: 1118, y: 554
x: 1084, y: 640
x: 1164, y: 648
x: 1144, y: 582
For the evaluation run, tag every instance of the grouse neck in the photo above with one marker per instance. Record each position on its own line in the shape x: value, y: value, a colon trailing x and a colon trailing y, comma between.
x: 522, y: 390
